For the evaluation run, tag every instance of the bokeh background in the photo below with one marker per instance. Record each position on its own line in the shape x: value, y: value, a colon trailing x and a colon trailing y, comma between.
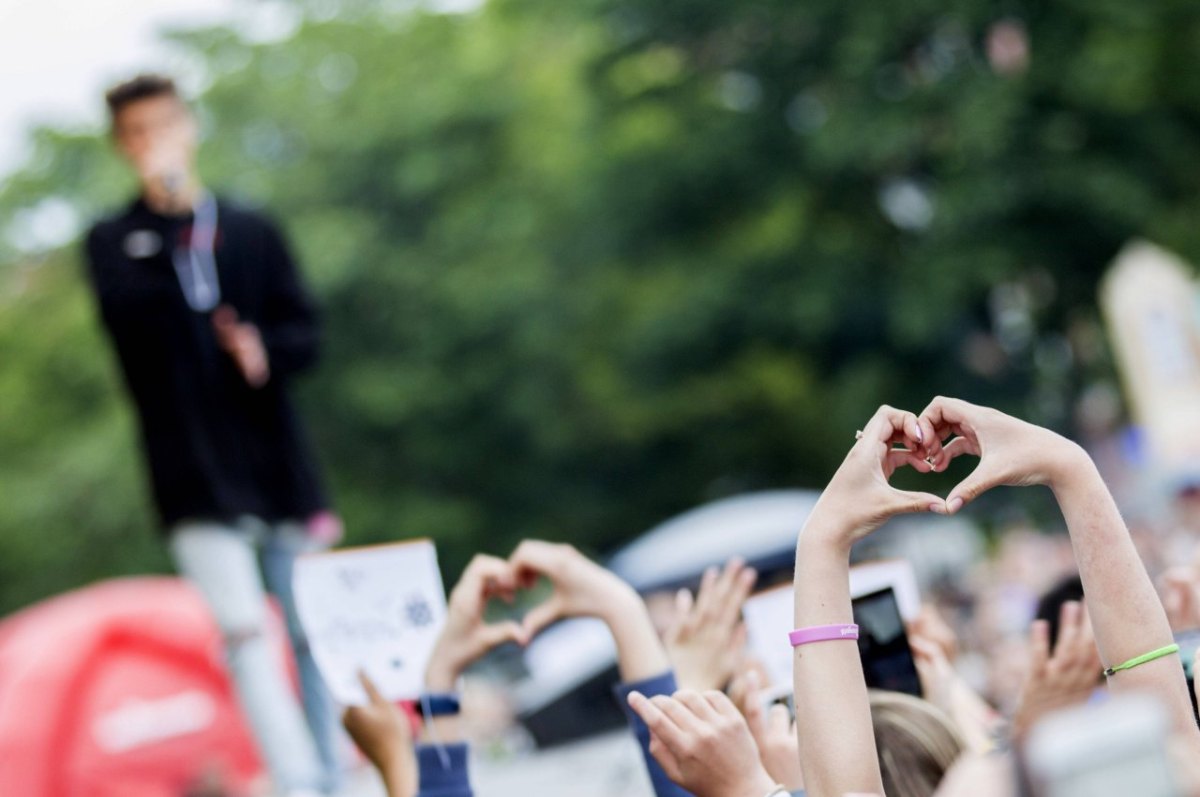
x: 586, y: 264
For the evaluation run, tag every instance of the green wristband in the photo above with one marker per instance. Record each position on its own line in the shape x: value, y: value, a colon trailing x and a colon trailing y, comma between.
x: 1142, y: 659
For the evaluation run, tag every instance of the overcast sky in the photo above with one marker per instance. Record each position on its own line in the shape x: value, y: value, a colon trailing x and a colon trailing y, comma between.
x: 58, y: 56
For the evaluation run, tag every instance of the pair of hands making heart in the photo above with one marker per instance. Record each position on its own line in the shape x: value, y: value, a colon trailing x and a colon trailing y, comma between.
x: 1011, y: 452
x: 580, y: 588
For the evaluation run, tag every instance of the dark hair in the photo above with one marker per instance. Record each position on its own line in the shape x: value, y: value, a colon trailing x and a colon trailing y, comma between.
x: 142, y: 87
x: 1068, y: 589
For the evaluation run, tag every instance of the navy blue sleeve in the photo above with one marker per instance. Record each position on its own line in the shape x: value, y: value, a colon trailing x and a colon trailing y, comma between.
x: 443, y: 778
x: 659, y: 685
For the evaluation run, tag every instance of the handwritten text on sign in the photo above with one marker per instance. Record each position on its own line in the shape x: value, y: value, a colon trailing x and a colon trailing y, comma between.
x: 379, y: 609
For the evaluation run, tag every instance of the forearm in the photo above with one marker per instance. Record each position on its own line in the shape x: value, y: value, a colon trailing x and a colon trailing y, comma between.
x: 640, y: 651
x: 1127, y: 617
x: 833, y: 715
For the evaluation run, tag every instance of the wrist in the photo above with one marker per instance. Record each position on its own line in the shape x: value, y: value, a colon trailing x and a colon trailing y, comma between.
x: 619, y: 603
x: 1070, y: 468
x: 442, y: 674
x: 824, y: 539
x: 761, y: 785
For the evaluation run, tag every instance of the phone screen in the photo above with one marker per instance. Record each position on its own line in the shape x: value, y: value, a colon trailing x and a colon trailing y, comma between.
x: 883, y: 644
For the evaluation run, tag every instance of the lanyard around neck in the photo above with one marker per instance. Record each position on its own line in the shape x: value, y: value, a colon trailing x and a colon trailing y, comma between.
x: 195, y: 265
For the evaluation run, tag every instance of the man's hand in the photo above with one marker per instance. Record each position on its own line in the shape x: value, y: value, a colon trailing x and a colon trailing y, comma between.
x: 384, y: 736
x: 707, y: 638
x: 243, y: 342
x: 703, y: 744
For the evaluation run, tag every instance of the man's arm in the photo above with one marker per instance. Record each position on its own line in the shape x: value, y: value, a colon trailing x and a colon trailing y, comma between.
x: 289, y: 324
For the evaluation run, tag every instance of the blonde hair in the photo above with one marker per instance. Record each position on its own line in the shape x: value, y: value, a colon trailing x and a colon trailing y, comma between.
x: 915, y: 741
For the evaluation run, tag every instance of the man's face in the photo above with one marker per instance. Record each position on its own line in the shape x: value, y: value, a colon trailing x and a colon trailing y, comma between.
x: 157, y: 135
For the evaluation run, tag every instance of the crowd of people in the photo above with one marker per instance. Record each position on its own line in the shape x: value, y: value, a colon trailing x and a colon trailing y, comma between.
x: 694, y: 698
x: 209, y: 319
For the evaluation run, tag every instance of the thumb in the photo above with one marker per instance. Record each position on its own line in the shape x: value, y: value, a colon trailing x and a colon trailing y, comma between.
x: 496, y: 634
x: 907, y: 502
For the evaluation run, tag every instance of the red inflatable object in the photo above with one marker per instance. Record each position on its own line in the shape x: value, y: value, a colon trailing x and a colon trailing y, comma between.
x: 120, y: 689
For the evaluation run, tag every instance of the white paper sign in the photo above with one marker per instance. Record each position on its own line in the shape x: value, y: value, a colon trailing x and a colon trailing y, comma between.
x: 379, y: 609
x: 770, y: 614
x: 769, y: 617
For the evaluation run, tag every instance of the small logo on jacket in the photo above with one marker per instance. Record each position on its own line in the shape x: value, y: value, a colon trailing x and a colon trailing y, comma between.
x: 141, y: 244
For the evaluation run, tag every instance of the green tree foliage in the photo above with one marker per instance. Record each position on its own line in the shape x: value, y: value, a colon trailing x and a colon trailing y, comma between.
x: 584, y: 265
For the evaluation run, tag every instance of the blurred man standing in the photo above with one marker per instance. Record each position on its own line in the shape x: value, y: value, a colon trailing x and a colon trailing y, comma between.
x: 209, y: 320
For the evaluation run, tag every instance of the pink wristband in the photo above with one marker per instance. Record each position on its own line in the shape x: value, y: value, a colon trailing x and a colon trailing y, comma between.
x: 823, y: 633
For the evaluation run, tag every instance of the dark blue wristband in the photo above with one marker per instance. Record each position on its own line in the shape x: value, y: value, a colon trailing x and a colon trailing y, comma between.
x: 439, y: 704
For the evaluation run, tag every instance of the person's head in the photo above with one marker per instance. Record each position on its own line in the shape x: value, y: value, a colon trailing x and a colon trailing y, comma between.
x: 151, y: 124
x: 916, y: 743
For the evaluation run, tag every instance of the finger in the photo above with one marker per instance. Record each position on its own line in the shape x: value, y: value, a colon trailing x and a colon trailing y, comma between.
x: 899, y: 457
x: 727, y: 582
x: 698, y: 704
x: 373, y: 694
x: 779, y: 720
x: 932, y: 443
x: 665, y: 758
x: 979, y: 482
x: 494, y: 635
x: 890, y: 425
x: 680, y: 713
x: 720, y: 704
x: 1039, y: 646
x: 1069, y: 616
x: 901, y: 502
x: 947, y: 414
x: 658, y: 721
x: 740, y: 585
x: 923, y: 649
x: 737, y: 690
x: 541, y: 616
x: 704, y: 595
x: 684, y: 602
x: 484, y: 570
x: 954, y: 449
x: 537, y: 557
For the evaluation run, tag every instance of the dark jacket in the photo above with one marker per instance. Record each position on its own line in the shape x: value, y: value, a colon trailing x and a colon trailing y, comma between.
x: 216, y: 448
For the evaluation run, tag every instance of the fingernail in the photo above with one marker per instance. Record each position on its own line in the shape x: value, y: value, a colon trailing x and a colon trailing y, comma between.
x: 920, y: 434
x: 954, y: 504
x: 939, y: 507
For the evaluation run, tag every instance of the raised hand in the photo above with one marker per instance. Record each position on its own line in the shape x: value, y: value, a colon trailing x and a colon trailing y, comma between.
x: 582, y: 588
x: 466, y: 636
x: 1011, y: 452
x: 706, y: 641
x: 1065, y: 677
x: 773, y: 729
x: 243, y: 342
x: 860, y: 498
x: 703, y: 744
x: 383, y: 734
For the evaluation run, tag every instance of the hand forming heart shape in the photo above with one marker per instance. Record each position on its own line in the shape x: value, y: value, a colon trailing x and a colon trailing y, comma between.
x: 1012, y: 452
